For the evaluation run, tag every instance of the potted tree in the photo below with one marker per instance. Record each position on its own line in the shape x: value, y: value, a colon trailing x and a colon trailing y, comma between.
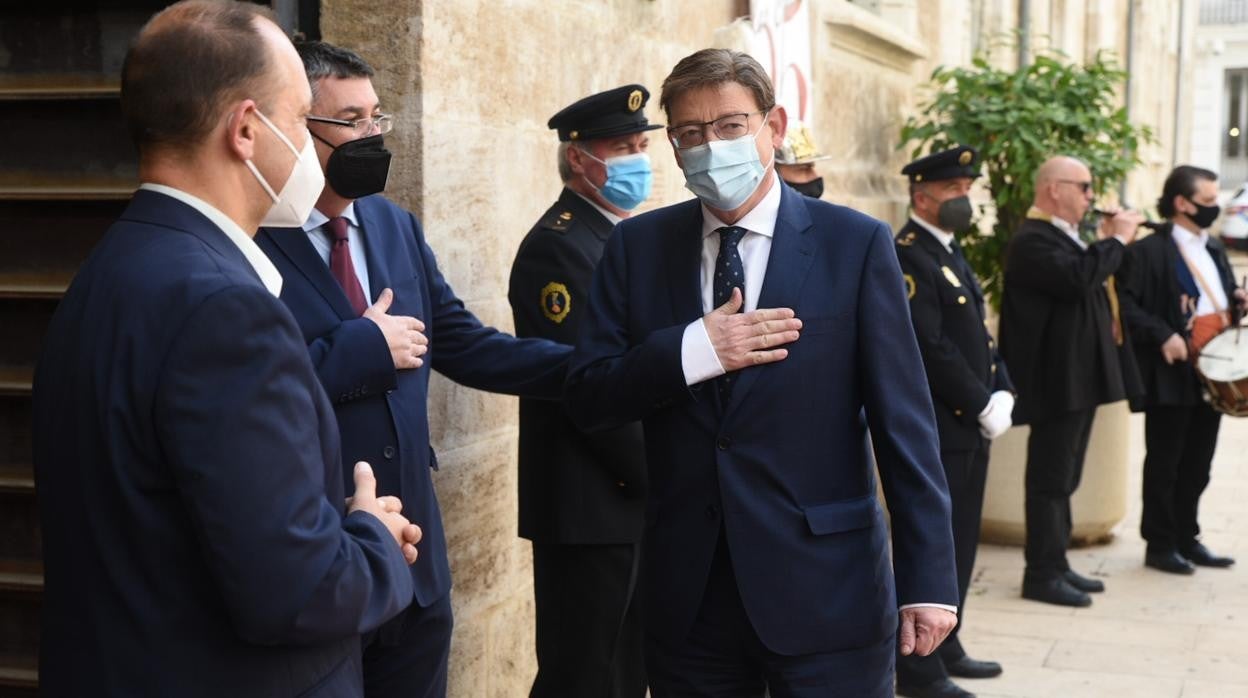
x: 1017, y: 119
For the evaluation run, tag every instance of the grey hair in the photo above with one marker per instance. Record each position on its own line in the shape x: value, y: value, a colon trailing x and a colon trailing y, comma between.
x: 324, y: 60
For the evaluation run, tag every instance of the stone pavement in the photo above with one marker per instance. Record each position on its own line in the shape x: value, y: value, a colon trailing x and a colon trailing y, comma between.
x: 1150, y: 635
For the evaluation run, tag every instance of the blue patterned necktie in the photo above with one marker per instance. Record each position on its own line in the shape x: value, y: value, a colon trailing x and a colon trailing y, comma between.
x: 729, y: 274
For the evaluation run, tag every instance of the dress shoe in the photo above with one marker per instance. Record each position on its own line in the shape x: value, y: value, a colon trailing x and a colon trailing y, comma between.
x: 940, y: 688
x: 1171, y: 562
x: 1083, y: 583
x: 1198, y: 554
x: 1055, y: 590
x: 968, y: 668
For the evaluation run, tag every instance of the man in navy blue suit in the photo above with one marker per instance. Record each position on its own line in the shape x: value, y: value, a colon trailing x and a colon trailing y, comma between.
x: 366, y: 291
x: 195, y: 537
x: 767, y: 559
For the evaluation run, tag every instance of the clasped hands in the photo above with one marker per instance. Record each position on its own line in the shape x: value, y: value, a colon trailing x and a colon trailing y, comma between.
x: 387, y: 509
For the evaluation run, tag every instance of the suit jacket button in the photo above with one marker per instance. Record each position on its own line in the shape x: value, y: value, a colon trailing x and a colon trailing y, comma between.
x: 723, y: 443
x: 621, y: 484
x: 388, y: 452
x: 957, y: 413
x: 712, y: 511
x: 390, y: 391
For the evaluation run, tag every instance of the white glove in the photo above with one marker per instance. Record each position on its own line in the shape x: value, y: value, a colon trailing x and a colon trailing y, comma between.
x: 995, y: 418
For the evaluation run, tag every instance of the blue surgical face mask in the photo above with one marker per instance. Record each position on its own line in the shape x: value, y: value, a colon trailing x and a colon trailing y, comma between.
x: 723, y: 174
x: 628, y: 180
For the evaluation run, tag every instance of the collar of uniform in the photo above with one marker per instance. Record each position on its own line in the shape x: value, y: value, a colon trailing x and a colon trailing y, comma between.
x: 944, y: 238
x: 761, y: 219
x: 269, y: 275
x: 1187, y: 238
x: 605, y: 213
x: 316, y: 219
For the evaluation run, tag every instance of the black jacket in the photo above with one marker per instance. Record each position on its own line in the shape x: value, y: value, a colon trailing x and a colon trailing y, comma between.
x: 1150, y: 295
x: 947, y: 308
x: 575, y: 488
x: 1057, y: 324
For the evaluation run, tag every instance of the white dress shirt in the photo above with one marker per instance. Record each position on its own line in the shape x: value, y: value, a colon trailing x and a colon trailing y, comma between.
x: 697, y: 356
x: 1071, y: 231
x: 1193, y: 246
x: 269, y: 275
x: 320, y: 237
x: 605, y: 213
x: 944, y: 238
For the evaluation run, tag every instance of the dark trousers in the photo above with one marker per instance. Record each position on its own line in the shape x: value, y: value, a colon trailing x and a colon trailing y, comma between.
x: 406, y: 657
x: 1180, y: 442
x: 723, y: 657
x: 966, y: 472
x: 1055, y: 453
x: 588, y: 621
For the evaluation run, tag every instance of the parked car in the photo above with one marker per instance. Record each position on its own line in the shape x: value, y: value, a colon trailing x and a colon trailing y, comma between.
x: 1234, y: 229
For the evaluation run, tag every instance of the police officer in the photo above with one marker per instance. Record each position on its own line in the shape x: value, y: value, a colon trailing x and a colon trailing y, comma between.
x: 795, y: 161
x: 582, y: 495
x: 971, y: 391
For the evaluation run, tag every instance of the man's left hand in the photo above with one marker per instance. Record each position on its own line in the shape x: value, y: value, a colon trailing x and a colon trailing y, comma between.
x: 923, y: 628
x: 1241, y: 298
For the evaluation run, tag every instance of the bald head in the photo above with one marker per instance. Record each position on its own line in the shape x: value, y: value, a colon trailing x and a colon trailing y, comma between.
x: 1064, y: 188
x: 190, y: 62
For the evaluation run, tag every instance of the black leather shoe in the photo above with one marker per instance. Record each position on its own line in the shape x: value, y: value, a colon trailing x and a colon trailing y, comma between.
x: 1083, y: 583
x: 1055, y: 590
x: 940, y: 688
x: 1171, y: 562
x: 968, y: 668
x: 1198, y: 554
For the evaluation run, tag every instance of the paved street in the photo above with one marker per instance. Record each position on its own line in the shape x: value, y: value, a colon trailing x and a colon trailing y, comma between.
x: 1150, y: 635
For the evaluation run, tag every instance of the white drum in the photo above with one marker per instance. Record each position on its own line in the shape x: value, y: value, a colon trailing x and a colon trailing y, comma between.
x: 1223, y: 368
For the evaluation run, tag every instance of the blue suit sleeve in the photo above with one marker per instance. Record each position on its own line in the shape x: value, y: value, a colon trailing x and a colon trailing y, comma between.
x: 478, y: 356
x: 639, y: 374
x: 903, y: 431
x: 353, y: 361
x: 237, y: 419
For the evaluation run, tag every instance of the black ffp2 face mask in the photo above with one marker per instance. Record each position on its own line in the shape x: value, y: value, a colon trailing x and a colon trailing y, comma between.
x: 813, y: 188
x: 358, y: 168
x: 1205, y: 215
x: 955, y: 214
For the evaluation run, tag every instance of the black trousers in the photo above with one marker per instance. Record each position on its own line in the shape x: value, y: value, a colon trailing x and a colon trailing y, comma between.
x: 1055, y: 452
x: 723, y: 656
x: 407, y: 657
x: 589, y: 636
x: 1180, y: 442
x: 966, y: 472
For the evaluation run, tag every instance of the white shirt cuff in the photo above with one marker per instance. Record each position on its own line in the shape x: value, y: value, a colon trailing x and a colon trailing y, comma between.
x: 951, y: 609
x: 697, y: 356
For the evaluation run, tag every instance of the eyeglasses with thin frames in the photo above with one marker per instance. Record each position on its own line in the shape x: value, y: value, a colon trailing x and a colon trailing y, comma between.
x: 360, y: 128
x: 726, y: 128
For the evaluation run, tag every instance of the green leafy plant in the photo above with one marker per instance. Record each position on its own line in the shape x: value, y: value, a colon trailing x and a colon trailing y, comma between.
x: 1017, y: 120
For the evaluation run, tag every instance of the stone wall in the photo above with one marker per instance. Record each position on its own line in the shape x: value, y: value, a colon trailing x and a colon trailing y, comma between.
x: 473, y: 82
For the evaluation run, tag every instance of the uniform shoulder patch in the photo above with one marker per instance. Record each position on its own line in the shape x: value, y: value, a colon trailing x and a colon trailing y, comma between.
x: 558, y: 221
x: 556, y: 301
x: 905, y: 240
x: 911, y: 287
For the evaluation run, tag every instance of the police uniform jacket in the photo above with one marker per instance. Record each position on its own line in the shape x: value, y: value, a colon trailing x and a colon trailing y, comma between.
x: 575, y: 488
x: 1057, y: 315
x: 1153, y: 277
x: 947, y: 308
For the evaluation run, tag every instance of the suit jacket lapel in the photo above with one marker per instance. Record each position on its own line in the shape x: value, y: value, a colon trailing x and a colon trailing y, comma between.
x: 294, y: 243
x: 376, y: 248
x: 684, y: 267
x: 587, y: 214
x: 945, y: 259
x: 792, y: 253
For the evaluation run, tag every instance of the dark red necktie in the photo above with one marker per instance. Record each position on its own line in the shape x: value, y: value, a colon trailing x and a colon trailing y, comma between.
x: 340, y: 264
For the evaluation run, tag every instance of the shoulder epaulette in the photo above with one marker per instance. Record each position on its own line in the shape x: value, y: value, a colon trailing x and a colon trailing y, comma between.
x: 558, y: 222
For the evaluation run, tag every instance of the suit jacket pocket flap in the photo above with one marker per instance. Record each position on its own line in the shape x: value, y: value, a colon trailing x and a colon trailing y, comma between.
x: 845, y: 515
